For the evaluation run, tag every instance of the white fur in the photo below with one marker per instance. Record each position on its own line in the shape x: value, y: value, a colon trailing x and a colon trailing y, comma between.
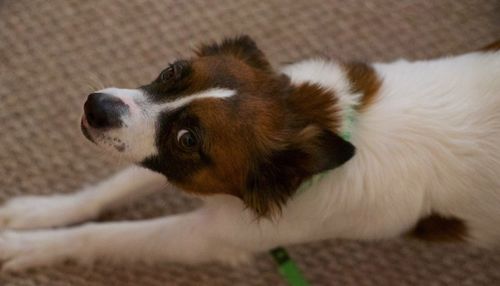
x: 429, y: 143
x: 30, y: 212
x: 185, y: 100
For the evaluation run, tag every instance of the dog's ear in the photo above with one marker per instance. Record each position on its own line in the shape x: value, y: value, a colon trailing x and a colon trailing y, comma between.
x: 242, y: 47
x: 276, y: 178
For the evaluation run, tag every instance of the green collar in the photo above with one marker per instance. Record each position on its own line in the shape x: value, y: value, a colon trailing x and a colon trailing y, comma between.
x: 349, y: 121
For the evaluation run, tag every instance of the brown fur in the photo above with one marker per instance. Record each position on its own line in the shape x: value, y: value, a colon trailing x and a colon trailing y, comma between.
x: 363, y: 79
x: 240, y: 135
x: 493, y: 47
x: 440, y: 229
x: 315, y: 105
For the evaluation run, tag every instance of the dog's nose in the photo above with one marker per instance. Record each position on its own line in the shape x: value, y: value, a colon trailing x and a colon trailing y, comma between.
x: 104, y: 110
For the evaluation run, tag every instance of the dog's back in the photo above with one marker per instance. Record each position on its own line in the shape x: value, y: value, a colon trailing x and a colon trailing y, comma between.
x: 428, y: 145
x: 448, y: 115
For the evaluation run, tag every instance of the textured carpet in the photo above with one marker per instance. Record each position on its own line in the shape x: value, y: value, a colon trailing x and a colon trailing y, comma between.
x: 53, y: 53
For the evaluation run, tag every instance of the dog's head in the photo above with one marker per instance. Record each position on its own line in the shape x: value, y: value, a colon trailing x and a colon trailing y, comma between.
x: 222, y: 122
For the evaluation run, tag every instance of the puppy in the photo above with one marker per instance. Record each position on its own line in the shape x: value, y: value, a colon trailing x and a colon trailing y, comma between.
x: 318, y: 150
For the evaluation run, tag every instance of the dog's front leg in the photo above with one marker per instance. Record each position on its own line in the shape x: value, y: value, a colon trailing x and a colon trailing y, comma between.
x: 224, y: 232
x: 184, y: 238
x: 30, y: 212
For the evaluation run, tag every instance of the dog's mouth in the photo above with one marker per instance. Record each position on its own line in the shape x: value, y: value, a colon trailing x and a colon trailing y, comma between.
x: 85, y: 130
x: 99, y: 138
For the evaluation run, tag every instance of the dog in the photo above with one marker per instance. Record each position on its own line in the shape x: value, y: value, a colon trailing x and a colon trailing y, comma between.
x: 321, y: 149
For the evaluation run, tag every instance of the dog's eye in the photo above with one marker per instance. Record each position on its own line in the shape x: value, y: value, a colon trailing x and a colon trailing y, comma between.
x: 168, y: 74
x: 186, y: 139
x: 174, y: 71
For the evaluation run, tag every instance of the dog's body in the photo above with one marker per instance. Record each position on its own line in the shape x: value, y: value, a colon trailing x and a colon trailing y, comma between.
x: 427, y: 138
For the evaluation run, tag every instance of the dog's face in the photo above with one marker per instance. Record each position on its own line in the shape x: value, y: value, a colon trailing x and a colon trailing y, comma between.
x: 222, y: 122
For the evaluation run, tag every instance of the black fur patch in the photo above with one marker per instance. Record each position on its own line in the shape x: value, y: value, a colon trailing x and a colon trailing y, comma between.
x: 440, y: 229
x: 171, y: 88
x: 176, y: 164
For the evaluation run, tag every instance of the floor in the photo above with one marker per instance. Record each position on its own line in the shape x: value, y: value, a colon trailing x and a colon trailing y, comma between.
x: 54, y: 53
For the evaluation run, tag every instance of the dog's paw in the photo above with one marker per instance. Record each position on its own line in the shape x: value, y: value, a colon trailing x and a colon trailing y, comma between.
x: 28, y: 249
x: 31, y: 212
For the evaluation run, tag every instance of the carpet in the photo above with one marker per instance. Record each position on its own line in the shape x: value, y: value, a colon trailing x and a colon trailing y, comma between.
x: 54, y: 53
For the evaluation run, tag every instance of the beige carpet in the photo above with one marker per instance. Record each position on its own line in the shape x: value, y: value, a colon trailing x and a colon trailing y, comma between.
x: 53, y: 52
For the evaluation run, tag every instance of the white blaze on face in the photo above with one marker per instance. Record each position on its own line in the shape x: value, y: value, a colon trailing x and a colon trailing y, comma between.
x: 138, y: 134
x: 210, y: 93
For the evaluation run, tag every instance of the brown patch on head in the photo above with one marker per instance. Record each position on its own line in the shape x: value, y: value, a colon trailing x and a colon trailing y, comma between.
x: 259, y: 144
x: 493, y: 47
x: 364, y: 80
x: 235, y: 134
x: 314, y: 104
x: 440, y: 229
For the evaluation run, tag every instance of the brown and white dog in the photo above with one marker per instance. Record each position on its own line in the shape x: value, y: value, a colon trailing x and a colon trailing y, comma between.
x: 318, y: 150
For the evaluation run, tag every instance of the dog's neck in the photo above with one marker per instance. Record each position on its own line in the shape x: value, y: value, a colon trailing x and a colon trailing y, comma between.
x: 333, y: 94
